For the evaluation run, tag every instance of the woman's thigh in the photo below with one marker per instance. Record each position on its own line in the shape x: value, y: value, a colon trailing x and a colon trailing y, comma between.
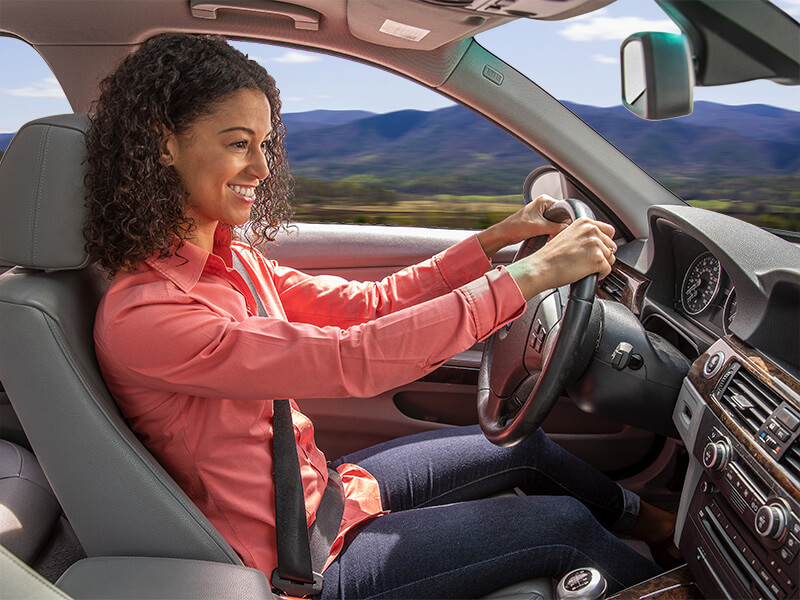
x: 470, y: 549
x: 459, y: 464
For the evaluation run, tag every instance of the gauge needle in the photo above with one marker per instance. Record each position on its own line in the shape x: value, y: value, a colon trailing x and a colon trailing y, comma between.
x: 693, y: 287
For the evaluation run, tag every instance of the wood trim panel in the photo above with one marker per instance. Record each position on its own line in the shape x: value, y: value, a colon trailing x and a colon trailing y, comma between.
x: 677, y: 584
x: 633, y: 290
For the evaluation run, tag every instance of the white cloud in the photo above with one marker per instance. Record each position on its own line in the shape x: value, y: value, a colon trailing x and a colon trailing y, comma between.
x: 296, y: 57
x: 600, y: 27
x: 46, y: 88
x: 605, y: 60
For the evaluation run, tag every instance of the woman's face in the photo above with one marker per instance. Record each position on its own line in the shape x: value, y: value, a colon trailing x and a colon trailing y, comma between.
x: 220, y: 159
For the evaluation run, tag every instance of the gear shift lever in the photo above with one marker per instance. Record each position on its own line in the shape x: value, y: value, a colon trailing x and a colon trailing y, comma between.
x: 582, y: 584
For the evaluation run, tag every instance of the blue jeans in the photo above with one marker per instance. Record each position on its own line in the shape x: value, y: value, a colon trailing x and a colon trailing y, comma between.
x: 444, y: 539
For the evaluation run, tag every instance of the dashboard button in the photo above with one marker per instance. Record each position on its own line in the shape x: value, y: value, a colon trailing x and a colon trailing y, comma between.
x: 713, y: 364
x: 771, y: 522
x: 785, y: 416
x: 778, y: 431
x: 716, y: 455
x: 770, y: 442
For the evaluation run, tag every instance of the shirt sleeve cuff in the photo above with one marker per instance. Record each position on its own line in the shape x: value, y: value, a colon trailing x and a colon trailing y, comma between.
x: 494, y: 300
x: 462, y: 263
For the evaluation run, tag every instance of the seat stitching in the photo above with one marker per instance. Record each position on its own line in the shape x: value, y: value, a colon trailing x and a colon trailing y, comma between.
x: 39, y: 189
x: 35, y: 192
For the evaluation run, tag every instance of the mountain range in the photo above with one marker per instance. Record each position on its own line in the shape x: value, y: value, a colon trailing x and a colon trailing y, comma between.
x: 414, y: 151
x: 411, y: 150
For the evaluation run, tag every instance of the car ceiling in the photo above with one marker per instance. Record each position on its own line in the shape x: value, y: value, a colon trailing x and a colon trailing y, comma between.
x: 82, y: 39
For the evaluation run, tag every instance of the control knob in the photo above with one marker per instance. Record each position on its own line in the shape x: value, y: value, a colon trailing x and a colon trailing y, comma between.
x: 716, y: 455
x: 771, y: 521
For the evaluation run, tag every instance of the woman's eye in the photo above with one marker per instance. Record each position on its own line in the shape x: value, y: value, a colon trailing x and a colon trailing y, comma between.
x: 241, y: 144
x: 264, y: 147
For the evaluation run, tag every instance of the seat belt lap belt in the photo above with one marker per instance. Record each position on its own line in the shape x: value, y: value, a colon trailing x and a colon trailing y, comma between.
x: 302, y: 551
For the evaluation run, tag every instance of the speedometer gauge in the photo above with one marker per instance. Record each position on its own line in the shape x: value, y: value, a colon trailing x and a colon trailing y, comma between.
x: 701, y: 283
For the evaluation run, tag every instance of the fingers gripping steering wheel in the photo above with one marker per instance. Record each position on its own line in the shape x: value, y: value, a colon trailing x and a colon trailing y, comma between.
x: 526, y: 364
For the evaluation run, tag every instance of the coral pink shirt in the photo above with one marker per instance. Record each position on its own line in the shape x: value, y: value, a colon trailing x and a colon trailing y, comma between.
x: 194, y: 369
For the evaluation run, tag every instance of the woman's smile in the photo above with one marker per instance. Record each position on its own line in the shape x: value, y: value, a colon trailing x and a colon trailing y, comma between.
x: 247, y: 192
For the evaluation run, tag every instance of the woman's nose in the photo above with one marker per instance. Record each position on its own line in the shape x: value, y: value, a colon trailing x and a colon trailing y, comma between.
x: 258, y: 165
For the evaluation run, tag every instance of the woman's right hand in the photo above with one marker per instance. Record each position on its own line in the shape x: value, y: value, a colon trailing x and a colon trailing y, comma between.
x: 583, y: 248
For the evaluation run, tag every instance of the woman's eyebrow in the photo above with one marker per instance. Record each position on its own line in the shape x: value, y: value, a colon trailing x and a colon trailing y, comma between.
x: 245, y: 129
x: 238, y: 128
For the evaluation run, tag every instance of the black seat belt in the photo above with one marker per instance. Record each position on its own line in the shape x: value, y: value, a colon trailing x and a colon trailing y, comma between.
x: 302, y: 551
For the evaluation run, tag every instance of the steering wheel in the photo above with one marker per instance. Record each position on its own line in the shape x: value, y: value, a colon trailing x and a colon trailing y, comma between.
x: 526, y: 364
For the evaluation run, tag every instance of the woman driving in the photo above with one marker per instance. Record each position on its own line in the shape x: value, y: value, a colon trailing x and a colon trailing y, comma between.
x: 187, y: 171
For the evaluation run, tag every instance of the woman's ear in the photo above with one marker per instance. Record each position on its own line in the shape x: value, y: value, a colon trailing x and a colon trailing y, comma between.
x: 167, y: 145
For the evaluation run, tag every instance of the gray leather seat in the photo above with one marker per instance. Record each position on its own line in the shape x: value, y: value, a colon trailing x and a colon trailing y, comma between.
x: 116, y: 496
x: 28, y: 509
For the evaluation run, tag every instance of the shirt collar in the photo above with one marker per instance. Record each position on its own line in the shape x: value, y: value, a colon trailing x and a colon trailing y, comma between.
x: 187, y: 262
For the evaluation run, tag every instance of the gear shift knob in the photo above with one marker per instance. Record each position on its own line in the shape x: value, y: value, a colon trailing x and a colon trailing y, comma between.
x: 582, y: 584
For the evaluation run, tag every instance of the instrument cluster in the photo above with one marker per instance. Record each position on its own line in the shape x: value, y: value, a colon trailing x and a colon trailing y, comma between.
x: 706, y: 294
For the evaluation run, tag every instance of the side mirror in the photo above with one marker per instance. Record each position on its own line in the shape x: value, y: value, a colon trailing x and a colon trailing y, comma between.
x: 657, y: 75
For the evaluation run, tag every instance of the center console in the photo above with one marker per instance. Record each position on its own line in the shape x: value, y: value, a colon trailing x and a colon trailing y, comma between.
x: 739, y: 519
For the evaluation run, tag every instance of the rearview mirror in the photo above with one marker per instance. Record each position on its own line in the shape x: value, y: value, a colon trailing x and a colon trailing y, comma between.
x: 657, y: 75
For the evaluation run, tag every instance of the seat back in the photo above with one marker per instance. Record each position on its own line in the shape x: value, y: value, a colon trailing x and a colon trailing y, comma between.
x: 118, y: 499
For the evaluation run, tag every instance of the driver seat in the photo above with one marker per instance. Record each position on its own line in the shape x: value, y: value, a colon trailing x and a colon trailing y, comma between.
x: 116, y: 496
x: 118, y: 499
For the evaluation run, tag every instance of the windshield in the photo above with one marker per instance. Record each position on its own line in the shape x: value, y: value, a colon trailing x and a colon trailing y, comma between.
x: 737, y: 153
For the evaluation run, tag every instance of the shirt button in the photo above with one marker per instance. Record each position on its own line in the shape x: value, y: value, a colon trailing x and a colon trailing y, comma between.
x: 309, y: 447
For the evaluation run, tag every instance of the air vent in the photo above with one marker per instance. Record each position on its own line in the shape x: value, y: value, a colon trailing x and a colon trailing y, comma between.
x: 613, y: 285
x: 791, y: 461
x: 749, y: 402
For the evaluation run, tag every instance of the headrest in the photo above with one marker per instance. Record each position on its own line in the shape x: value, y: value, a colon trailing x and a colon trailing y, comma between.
x: 42, y: 195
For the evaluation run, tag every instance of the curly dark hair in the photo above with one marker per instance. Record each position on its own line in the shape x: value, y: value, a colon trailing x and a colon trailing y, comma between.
x: 136, y: 205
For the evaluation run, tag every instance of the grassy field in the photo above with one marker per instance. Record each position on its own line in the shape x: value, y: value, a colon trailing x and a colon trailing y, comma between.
x: 767, y: 202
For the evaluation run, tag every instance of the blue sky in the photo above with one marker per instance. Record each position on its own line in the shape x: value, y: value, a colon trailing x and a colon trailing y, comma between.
x: 574, y: 60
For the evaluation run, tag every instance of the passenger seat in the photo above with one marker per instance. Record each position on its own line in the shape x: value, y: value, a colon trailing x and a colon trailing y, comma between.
x: 32, y: 525
x: 28, y: 508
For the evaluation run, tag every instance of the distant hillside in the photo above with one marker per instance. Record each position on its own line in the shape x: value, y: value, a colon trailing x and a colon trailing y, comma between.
x: 409, y: 150
x: 314, y: 119
x: 412, y: 150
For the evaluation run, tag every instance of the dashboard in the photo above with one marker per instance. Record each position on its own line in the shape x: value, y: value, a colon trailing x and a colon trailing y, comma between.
x: 727, y: 295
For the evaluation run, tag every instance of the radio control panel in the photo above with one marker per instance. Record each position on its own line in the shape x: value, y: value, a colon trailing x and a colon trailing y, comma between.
x: 745, y: 536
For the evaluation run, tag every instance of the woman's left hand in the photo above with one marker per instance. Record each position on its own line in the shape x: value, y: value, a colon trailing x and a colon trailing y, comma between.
x: 527, y: 222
